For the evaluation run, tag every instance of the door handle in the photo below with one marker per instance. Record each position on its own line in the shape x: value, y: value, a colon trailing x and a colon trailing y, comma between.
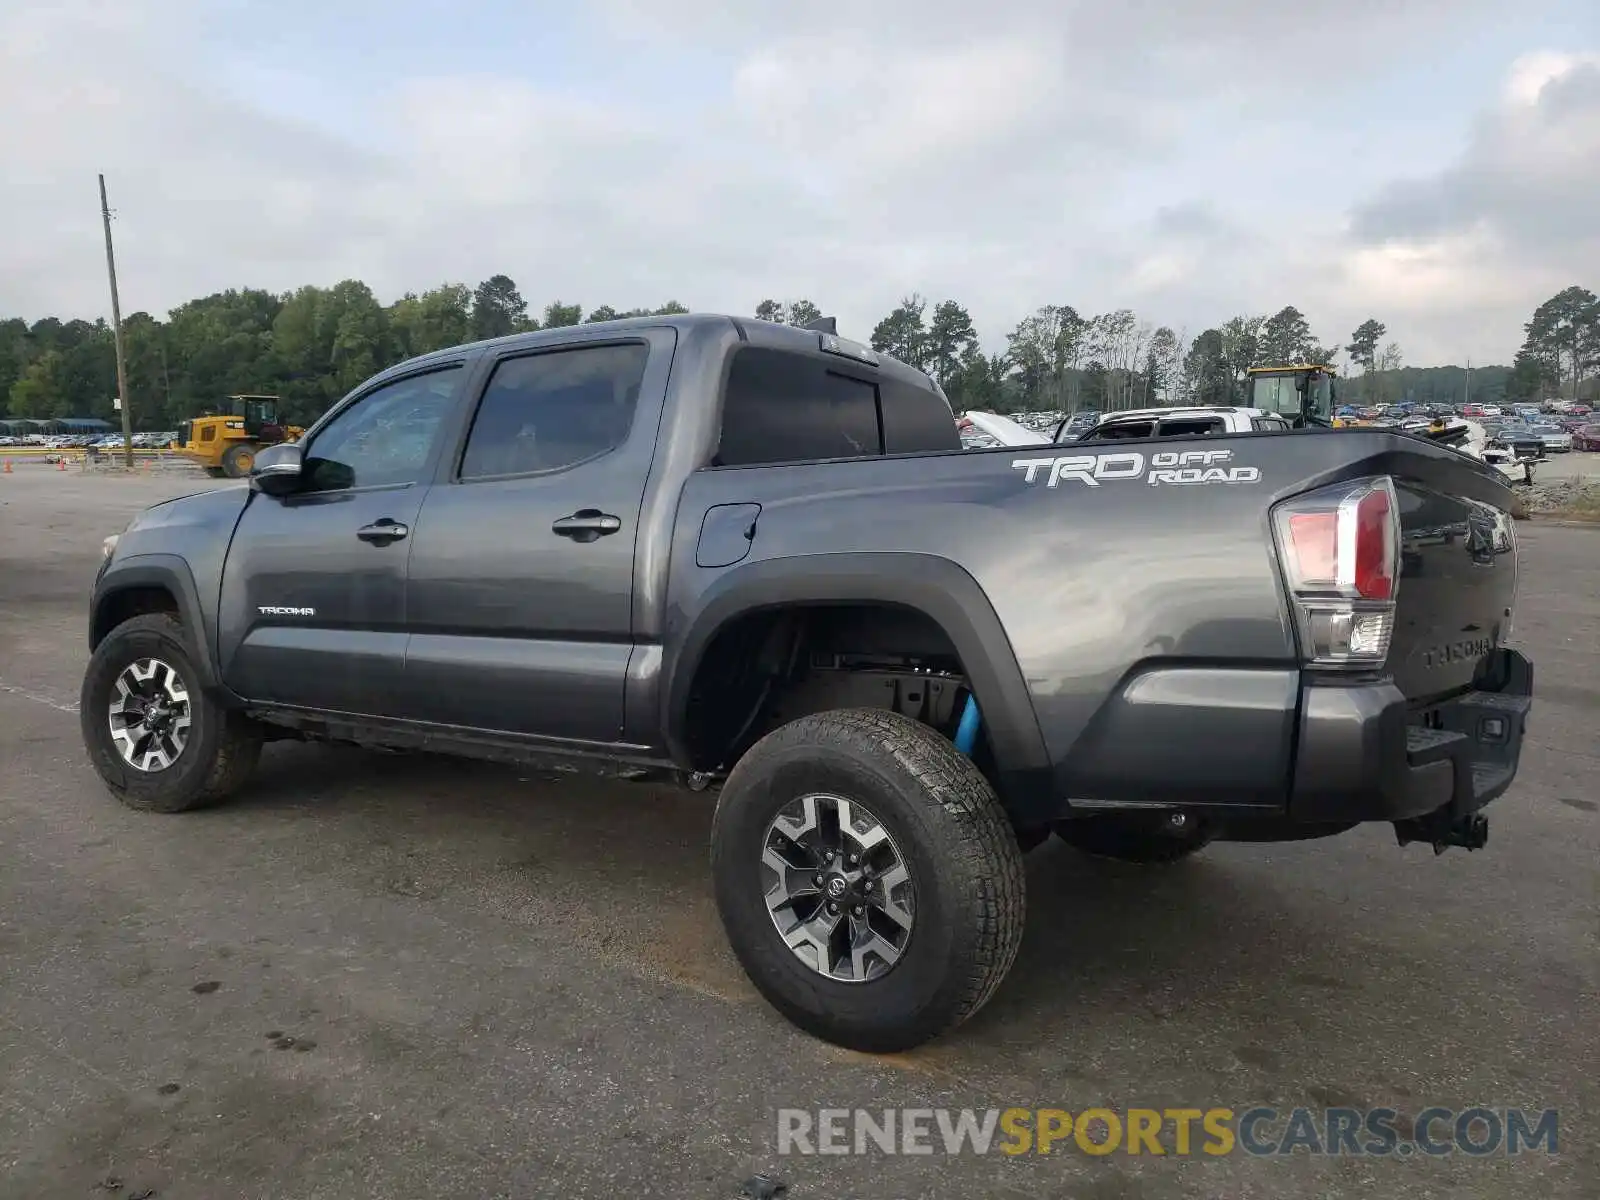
x: 383, y: 531
x: 586, y: 525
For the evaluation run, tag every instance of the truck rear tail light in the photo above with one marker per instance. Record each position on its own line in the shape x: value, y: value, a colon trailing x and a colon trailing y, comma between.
x: 1340, y: 548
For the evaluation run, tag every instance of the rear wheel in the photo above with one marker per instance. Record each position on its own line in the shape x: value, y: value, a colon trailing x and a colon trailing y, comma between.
x: 237, y: 460
x: 1157, y: 838
x: 869, y: 881
x: 157, y: 740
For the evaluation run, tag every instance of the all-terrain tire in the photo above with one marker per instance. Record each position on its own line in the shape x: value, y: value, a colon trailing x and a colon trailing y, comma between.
x: 238, y: 459
x: 954, y: 837
x: 1132, y: 840
x: 222, y: 746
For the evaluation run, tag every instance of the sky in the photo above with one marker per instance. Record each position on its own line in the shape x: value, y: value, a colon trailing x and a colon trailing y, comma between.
x: 1432, y: 163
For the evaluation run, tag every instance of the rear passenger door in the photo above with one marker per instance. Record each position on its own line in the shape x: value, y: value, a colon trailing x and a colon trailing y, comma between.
x: 519, y: 596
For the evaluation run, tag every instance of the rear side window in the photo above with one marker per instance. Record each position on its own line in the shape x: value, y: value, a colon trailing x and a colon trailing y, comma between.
x: 544, y: 412
x: 1268, y: 424
x: 782, y: 407
x: 1121, y: 431
x: 1191, y: 427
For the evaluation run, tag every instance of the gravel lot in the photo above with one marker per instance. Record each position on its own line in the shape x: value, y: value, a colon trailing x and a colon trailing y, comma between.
x: 378, y: 975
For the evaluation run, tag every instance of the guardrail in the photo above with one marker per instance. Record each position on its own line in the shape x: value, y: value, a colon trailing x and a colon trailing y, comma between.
x: 77, y: 459
x: 40, y: 451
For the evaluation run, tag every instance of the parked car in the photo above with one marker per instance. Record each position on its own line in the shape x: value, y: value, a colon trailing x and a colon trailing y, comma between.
x: 1586, y: 437
x: 1200, y: 421
x: 1075, y: 425
x: 1556, y: 439
x: 754, y: 557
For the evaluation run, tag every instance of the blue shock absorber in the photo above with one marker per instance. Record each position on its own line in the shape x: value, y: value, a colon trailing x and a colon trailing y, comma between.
x: 967, y: 731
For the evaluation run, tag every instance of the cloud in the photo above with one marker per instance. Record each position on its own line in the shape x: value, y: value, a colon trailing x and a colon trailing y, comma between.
x: 1509, y: 223
x: 1151, y: 154
x: 1530, y: 176
x: 207, y: 192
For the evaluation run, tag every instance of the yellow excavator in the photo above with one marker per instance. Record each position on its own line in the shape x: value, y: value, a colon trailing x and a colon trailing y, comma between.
x: 1304, y: 392
x: 226, y: 444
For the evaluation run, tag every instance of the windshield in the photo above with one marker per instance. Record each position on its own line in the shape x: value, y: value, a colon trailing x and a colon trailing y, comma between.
x: 1275, y: 394
x: 260, y: 412
x: 1278, y: 394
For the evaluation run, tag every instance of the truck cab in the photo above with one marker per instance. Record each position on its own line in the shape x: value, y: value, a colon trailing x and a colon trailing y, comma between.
x: 1302, y: 393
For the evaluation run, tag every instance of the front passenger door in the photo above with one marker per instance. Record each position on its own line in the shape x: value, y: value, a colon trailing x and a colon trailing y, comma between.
x: 314, y: 589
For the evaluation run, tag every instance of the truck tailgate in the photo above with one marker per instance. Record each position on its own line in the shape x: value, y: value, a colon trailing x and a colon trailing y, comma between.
x: 1458, y: 582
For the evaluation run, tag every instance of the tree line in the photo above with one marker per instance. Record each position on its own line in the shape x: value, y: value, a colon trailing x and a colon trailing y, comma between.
x: 313, y: 345
x: 1058, y: 359
x: 309, y: 346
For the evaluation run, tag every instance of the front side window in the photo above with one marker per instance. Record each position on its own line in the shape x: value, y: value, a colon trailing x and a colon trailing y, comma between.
x: 784, y: 407
x: 385, y: 437
x: 550, y: 411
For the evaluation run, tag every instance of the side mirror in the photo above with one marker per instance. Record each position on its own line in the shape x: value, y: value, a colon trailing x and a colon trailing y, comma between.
x: 276, y: 470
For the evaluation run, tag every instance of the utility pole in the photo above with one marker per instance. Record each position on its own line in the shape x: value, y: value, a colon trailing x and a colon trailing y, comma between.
x: 166, y: 379
x: 116, y: 335
x: 1468, y: 399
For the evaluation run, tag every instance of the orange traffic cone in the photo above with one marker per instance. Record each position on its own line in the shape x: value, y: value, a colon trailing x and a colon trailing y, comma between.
x: 8, y: 466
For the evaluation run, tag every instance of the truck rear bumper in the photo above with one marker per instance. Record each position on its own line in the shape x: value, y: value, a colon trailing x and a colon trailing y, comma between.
x: 1365, y: 754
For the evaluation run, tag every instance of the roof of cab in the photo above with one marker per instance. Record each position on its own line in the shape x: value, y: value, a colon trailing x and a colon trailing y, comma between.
x: 751, y: 330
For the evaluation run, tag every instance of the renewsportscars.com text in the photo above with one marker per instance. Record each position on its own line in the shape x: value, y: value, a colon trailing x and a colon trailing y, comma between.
x: 1181, y: 1132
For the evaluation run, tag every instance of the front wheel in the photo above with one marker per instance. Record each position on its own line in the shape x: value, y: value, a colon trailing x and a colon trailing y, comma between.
x: 868, y: 879
x: 237, y: 461
x: 157, y: 740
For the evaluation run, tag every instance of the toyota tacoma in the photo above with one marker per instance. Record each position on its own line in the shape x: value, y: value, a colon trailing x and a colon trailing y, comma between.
x: 756, y: 559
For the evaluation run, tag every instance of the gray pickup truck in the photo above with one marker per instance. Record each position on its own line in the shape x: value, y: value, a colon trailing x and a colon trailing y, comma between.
x: 756, y: 558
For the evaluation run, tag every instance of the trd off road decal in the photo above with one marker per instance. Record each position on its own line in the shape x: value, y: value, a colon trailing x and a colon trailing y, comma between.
x: 1183, y: 467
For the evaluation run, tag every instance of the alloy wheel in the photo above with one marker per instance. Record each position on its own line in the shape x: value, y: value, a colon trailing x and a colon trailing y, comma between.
x: 149, y: 715
x: 838, y: 889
